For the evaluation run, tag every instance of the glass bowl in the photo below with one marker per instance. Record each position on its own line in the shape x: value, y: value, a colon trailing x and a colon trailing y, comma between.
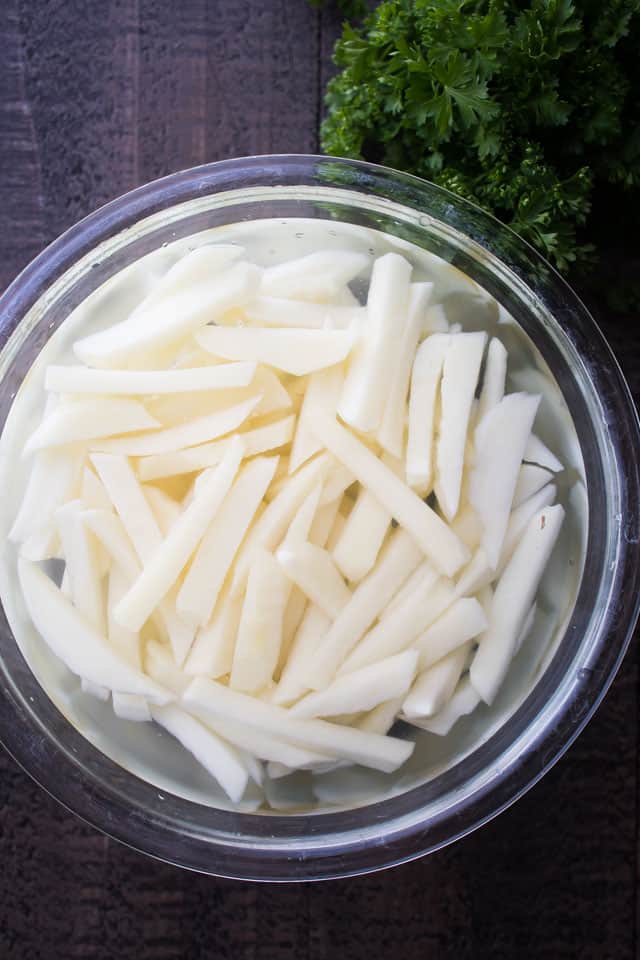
x: 519, y: 741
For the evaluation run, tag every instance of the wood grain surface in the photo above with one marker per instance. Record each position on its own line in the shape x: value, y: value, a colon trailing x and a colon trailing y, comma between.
x: 95, y: 98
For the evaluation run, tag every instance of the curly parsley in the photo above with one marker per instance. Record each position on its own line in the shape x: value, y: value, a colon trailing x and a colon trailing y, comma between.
x: 527, y: 107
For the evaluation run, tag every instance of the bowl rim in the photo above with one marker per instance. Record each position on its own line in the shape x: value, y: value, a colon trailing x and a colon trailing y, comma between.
x: 102, y: 804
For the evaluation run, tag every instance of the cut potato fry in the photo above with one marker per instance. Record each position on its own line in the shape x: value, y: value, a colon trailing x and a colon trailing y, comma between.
x: 464, y: 700
x: 361, y: 690
x: 397, y: 631
x: 82, y: 563
x: 132, y: 706
x: 295, y: 351
x: 165, y: 509
x: 520, y: 518
x: 435, y: 320
x: 531, y: 480
x: 381, y: 718
x: 73, y: 421
x: 125, y: 642
x: 433, y: 536
x: 323, y: 391
x: 212, y: 652
x: 129, y: 382
x: 211, y: 751
x: 495, y: 373
x: 168, y: 322
x: 53, y: 480
x: 512, y: 601
x: 163, y: 568
x: 192, y: 269
x: 161, y: 667
x: 463, y: 621
x: 434, y: 687
x: 311, y: 631
x: 371, y: 750
x: 422, y: 572
x: 476, y: 575
x: 260, y: 630
x: 259, y: 440
x: 280, y: 312
x: 92, y: 492
x: 94, y: 690
x: 423, y: 406
x: 538, y: 453
x: 313, y: 571
x: 262, y: 745
x: 363, y: 397
x: 398, y: 559
x: 460, y: 374
x: 500, y: 442
x: 76, y: 642
x: 185, y: 435
x: 392, y: 426
x: 222, y: 539
x: 317, y: 276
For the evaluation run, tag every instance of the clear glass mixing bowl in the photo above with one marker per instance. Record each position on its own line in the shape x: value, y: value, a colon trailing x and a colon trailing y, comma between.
x: 493, y: 763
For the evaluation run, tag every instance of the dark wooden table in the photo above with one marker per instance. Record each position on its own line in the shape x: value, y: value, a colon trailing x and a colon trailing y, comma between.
x: 95, y: 98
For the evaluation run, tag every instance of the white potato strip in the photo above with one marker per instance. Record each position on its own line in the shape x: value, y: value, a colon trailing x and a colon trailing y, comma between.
x: 311, y: 631
x: 520, y: 518
x: 398, y: 559
x: 463, y: 701
x: 272, y: 525
x: 435, y: 320
x: 500, y: 441
x: 132, y: 706
x: 493, y: 381
x: 476, y: 575
x: 300, y: 526
x: 92, y: 492
x: 127, y: 496
x: 460, y: 374
x: 128, y: 382
x: 165, y: 509
x: 316, y: 276
x: 53, y: 479
x: 74, y: 420
x: 423, y: 405
x: 212, y: 652
x: 512, y: 601
x: 363, y: 396
x: 184, y: 435
x: 400, y: 629
x: 361, y: 690
x: 463, y: 621
x: 260, y: 630
x: 165, y: 565
x: 168, y: 321
x: 323, y: 390
x: 161, y: 667
x: 434, y: 687
x: 339, y: 479
x: 531, y: 479
x: 81, y: 559
x: 381, y: 718
x: 527, y: 627
x: 412, y: 583
x: 371, y: 750
x: 391, y: 432
x: 125, y: 642
x: 430, y: 532
x: 468, y: 526
x: 336, y: 530
x: 259, y: 440
x: 292, y: 350
x: 76, y: 642
x: 314, y: 572
x: 537, y: 452
x: 260, y: 744
x: 221, y: 541
x: 201, y: 265
x: 217, y: 757
x: 94, y: 690
x: 364, y: 532
x: 281, y: 312
x: 323, y: 522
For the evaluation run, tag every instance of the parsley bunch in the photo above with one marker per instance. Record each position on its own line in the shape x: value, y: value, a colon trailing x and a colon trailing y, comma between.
x: 528, y: 107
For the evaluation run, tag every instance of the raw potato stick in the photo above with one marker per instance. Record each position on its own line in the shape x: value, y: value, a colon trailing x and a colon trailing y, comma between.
x: 463, y: 621
x: 131, y: 706
x: 316, y: 276
x: 164, y: 567
x: 281, y: 312
x: 294, y: 351
x: 52, y: 481
x: 519, y: 519
x: 423, y: 406
x: 81, y: 558
x: 259, y: 440
x: 128, y: 382
x: 212, y: 652
x: 460, y: 374
x: 391, y: 429
x: 398, y: 560
x: 125, y: 642
x: 323, y: 390
x: 371, y: 750
x: 512, y: 601
x: 73, y: 421
x: 313, y: 571
x: 493, y: 382
x: 381, y: 718
x: 219, y: 545
x: 434, y: 687
x: 262, y: 745
x: 464, y: 700
x: 538, y: 453
x: 311, y: 631
x: 430, y: 532
x: 184, y: 435
x: 531, y: 479
x: 363, y: 395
